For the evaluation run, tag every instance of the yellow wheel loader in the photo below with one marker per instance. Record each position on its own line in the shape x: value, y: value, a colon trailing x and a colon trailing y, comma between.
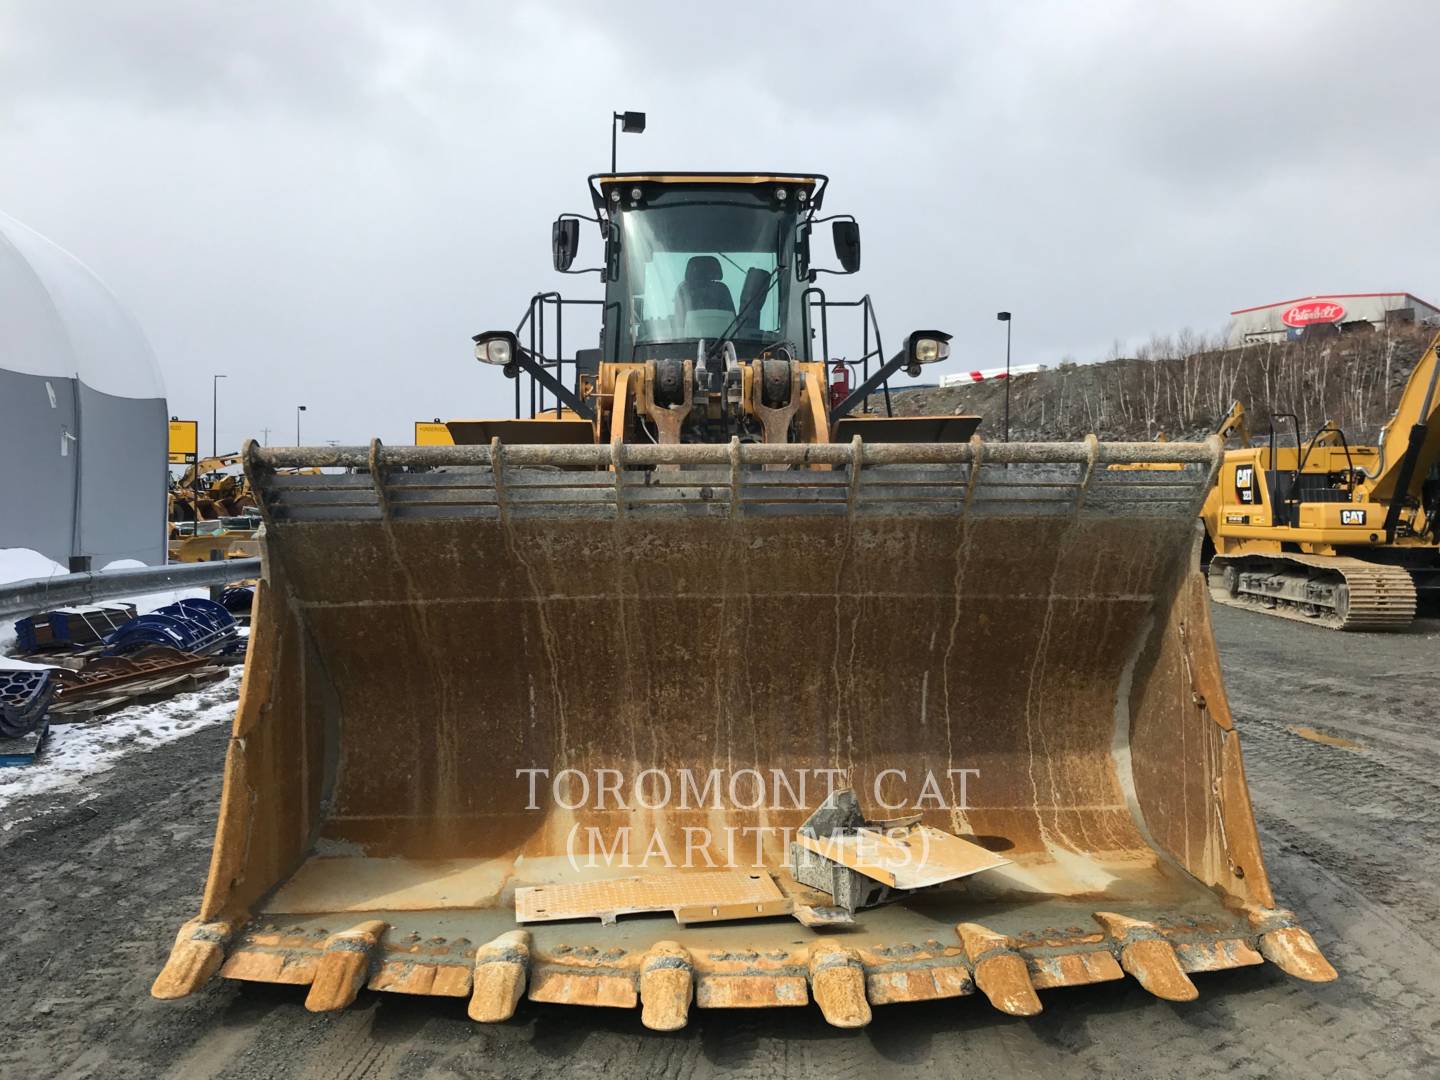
x: 606, y: 701
x: 1343, y: 536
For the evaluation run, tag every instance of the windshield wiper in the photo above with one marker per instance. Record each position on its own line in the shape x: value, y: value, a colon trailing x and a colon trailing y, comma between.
x: 713, y: 349
x: 754, y: 302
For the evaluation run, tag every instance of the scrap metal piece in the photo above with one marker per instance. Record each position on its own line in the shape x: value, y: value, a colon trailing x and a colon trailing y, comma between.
x: 344, y: 966
x: 1000, y: 971
x: 814, y: 864
x: 812, y: 908
x: 906, y: 860
x: 702, y: 896
x: 501, y: 968
x: 838, y: 851
x: 1145, y: 954
x: 667, y: 987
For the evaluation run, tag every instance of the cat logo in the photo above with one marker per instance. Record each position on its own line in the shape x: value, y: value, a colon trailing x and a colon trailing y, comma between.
x: 1237, y: 519
x: 1352, y: 517
x: 1245, y: 483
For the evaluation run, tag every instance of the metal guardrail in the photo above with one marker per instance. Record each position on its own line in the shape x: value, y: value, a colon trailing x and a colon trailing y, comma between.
x: 63, y: 590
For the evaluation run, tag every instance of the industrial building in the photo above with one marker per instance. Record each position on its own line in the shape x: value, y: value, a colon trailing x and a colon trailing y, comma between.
x: 83, y: 421
x: 1288, y: 320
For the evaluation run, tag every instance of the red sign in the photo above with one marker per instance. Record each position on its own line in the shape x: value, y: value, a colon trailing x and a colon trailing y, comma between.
x: 1316, y: 311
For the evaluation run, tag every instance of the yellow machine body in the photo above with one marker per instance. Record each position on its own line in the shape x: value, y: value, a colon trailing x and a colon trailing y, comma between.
x: 576, y: 650
x: 1339, y: 534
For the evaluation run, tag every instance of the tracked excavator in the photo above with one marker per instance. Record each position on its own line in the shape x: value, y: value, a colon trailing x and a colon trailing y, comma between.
x: 1339, y: 535
x: 689, y: 577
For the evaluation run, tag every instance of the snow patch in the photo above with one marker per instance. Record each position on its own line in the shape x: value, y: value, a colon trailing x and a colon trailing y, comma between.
x: 20, y: 564
x: 73, y: 753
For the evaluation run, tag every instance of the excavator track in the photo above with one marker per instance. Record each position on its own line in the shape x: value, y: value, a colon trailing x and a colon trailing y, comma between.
x: 1335, y: 591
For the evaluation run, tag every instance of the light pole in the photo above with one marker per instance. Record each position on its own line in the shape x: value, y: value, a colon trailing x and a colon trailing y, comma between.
x: 632, y: 123
x: 215, y: 415
x: 298, y: 410
x: 1004, y: 316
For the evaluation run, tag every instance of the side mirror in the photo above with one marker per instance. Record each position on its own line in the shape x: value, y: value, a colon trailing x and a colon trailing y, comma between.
x: 847, y: 244
x: 564, y: 242
x: 498, y: 347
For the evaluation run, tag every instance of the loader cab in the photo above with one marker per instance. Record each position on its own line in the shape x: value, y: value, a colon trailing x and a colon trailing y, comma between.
x: 690, y: 259
x: 712, y: 326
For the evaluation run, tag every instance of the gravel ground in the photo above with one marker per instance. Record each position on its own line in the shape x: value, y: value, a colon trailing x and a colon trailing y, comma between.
x: 91, y: 895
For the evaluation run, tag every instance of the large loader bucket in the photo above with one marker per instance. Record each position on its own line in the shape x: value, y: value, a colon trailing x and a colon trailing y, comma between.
x: 547, y: 666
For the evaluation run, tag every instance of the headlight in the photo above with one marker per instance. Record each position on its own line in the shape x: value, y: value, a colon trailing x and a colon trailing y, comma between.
x: 495, y: 347
x: 929, y: 350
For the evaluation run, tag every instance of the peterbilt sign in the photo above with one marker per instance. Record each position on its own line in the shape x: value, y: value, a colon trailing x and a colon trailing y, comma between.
x: 1315, y: 311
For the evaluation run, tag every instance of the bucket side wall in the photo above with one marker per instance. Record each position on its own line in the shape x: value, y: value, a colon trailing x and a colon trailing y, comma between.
x: 275, y: 762
x: 1189, y: 778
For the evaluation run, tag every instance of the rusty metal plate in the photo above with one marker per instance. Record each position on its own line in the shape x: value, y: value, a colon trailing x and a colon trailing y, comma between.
x: 705, y: 896
x: 922, y: 856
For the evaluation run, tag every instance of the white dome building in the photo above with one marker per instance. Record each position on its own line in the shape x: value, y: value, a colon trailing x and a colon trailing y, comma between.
x: 83, y: 421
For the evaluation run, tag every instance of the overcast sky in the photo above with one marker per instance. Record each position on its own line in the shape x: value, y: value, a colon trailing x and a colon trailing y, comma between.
x: 325, y: 200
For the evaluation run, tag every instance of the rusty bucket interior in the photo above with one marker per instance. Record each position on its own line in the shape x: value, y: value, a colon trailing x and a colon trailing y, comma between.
x: 463, y: 659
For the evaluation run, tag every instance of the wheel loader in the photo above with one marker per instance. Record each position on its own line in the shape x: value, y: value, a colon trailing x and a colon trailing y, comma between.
x: 1346, y: 537
x: 569, y: 716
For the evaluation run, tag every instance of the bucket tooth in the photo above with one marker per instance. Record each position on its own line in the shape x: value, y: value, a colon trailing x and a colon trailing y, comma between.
x: 1288, y: 946
x: 1294, y: 952
x: 1000, y: 972
x: 837, y: 982
x: 344, y: 966
x: 667, y: 986
x: 196, y: 955
x: 501, y: 969
x: 1145, y: 954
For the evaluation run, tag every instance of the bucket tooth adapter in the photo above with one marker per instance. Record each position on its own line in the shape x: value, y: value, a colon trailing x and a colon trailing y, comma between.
x: 613, y: 642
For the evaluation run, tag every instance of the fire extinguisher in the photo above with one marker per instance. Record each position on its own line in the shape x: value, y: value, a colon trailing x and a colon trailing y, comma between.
x: 839, y: 382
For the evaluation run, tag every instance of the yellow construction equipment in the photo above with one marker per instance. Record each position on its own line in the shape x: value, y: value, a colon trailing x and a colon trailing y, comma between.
x: 220, y: 538
x: 1343, y: 536
x: 211, y: 488
x: 613, y: 655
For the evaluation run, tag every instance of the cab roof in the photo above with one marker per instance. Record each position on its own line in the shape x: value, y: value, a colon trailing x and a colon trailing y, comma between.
x: 814, y: 181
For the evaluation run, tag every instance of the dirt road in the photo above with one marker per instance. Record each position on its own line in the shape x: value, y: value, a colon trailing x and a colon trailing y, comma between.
x: 90, y: 896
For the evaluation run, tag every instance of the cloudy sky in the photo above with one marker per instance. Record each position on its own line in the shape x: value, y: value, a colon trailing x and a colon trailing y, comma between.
x: 324, y: 200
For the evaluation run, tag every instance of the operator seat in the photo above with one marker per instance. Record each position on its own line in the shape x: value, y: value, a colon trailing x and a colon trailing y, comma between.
x: 702, y: 288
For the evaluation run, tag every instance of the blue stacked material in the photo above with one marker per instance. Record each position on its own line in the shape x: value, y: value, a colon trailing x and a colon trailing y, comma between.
x: 33, y: 631
x: 238, y: 599
x: 70, y: 626
x: 79, y: 625
x: 24, y: 697
x: 193, y: 626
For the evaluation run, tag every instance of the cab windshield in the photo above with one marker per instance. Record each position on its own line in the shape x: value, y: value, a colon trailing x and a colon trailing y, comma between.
x: 696, y: 270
